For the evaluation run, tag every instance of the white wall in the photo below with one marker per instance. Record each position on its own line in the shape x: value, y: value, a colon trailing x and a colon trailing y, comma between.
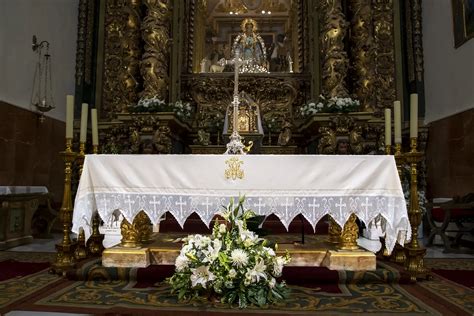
x: 449, y: 72
x: 51, y: 20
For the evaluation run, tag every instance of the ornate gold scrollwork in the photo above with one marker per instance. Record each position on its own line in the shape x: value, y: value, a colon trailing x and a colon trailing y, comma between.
x: 162, y: 140
x: 334, y: 231
x: 335, y: 62
x: 121, y: 56
x: 362, y: 50
x: 275, y: 96
x: 350, y: 233
x: 144, y: 227
x: 154, y: 66
x: 130, y: 234
x: 343, y: 135
x: 384, y: 54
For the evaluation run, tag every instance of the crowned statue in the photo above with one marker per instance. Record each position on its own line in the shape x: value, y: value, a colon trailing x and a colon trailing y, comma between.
x: 251, y: 48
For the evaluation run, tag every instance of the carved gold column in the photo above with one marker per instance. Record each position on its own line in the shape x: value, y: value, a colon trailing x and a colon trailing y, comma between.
x: 334, y: 231
x: 414, y: 251
x: 297, y: 26
x: 384, y: 47
x: 154, y: 66
x: 334, y: 58
x: 350, y: 233
x: 199, y: 44
x: 65, y: 250
x: 417, y: 38
x: 122, y: 54
x: 362, y: 52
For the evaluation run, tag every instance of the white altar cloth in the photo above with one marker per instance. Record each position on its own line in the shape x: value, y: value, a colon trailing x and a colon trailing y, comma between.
x: 284, y: 185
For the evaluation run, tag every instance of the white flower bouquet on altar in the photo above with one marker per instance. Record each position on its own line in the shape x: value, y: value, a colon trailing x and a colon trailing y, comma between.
x: 331, y: 105
x: 155, y: 105
x: 233, y: 265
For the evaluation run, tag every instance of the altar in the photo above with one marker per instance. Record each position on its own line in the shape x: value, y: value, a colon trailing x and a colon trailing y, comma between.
x: 284, y: 185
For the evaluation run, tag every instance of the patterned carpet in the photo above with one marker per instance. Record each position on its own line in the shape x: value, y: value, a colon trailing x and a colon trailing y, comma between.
x: 380, y: 292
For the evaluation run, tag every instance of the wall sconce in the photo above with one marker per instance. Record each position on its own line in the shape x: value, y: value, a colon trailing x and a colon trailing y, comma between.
x: 42, y: 93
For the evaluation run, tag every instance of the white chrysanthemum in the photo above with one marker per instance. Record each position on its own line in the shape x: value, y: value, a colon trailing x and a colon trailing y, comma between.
x: 181, y: 263
x: 239, y: 257
x: 201, y: 275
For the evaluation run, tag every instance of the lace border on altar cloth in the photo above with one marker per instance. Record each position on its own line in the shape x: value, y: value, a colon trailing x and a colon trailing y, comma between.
x: 385, y: 212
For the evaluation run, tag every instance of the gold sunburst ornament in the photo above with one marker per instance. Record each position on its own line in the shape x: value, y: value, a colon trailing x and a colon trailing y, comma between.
x: 243, y: 25
x: 233, y: 170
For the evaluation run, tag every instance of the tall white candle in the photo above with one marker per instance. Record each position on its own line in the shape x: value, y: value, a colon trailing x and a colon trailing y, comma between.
x: 397, y: 117
x: 388, y: 127
x: 413, y: 115
x: 84, y: 114
x: 95, y: 132
x: 69, y: 115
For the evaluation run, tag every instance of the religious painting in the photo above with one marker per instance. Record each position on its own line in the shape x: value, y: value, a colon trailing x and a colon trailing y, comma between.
x: 463, y: 21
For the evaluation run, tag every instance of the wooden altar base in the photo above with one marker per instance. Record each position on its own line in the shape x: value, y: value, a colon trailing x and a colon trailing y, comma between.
x: 315, y: 252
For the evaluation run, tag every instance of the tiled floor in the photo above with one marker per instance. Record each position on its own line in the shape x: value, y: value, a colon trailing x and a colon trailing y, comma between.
x: 39, y: 245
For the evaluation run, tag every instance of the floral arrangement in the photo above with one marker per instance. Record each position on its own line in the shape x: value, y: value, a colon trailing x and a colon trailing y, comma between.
x: 153, y: 105
x: 233, y: 265
x: 332, y: 105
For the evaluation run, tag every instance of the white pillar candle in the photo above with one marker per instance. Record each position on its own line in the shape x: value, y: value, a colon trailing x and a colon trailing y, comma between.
x: 84, y: 114
x: 69, y: 115
x: 95, y: 132
x: 388, y: 127
x: 397, y: 117
x: 413, y: 115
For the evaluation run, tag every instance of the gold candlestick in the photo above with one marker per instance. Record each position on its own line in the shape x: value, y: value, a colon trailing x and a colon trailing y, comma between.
x: 95, y: 149
x: 81, y: 252
x: 94, y: 244
x: 398, y: 254
x: 65, y: 250
x: 414, y: 251
x: 388, y: 149
x: 80, y: 157
x: 399, y: 159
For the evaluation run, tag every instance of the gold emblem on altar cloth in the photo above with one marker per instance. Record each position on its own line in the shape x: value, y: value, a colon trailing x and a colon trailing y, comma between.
x: 233, y: 170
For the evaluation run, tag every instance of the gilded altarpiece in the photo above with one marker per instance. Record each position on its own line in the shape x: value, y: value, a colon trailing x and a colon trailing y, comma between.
x: 171, y: 50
